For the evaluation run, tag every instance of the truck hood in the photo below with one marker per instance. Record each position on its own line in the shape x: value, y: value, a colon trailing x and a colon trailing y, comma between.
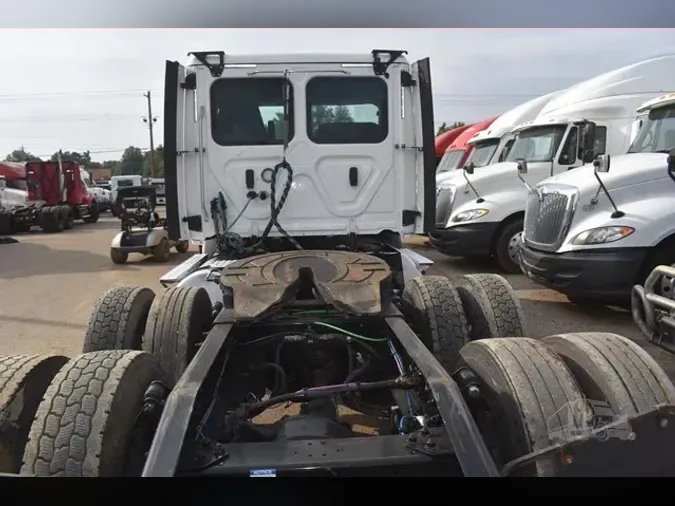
x: 624, y: 170
x: 497, y: 171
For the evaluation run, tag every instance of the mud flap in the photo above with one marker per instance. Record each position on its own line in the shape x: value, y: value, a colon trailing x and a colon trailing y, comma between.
x: 637, y: 446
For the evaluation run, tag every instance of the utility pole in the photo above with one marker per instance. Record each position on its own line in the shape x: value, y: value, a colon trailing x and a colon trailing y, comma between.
x: 150, y: 120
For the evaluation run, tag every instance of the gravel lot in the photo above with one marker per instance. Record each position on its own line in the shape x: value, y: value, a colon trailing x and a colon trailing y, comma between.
x: 48, y: 283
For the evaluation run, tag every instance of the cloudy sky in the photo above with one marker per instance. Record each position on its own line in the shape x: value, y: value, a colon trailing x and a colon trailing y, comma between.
x: 80, y: 90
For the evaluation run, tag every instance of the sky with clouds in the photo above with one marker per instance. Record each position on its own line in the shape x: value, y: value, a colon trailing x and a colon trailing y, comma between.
x: 80, y: 90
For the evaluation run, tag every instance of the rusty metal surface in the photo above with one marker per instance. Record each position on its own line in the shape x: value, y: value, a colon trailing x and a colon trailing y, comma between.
x: 351, y: 282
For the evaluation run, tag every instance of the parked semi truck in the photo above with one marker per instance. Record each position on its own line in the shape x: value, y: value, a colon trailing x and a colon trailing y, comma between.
x: 443, y: 141
x: 594, y: 234
x: 594, y: 117
x: 490, y: 146
x: 57, y: 196
x: 493, y: 144
x: 456, y: 154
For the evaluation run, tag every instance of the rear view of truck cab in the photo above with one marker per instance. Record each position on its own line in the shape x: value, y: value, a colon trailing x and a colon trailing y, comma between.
x: 595, y: 232
x: 350, y: 163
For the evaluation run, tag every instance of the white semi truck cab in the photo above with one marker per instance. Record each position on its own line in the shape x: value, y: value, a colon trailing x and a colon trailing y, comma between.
x: 595, y: 232
x: 490, y: 147
x: 296, y: 150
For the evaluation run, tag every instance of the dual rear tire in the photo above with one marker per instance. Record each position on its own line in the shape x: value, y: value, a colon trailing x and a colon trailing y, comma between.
x: 533, y: 393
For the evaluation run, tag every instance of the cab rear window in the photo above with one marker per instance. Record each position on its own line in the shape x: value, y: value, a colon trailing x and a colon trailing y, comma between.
x: 249, y: 111
x: 347, y: 110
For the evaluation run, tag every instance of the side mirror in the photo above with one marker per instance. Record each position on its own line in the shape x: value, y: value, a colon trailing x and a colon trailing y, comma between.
x: 469, y: 168
x: 671, y: 164
x: 521, y: 165
x: 601, y: 163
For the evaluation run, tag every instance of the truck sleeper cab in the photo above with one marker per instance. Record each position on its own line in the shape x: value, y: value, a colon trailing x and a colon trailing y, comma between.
x: 593, y: 234
x: 345, y: 125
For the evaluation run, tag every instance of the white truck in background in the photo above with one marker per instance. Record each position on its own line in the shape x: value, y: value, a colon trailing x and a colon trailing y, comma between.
x: 491, y: 146
x: 160, y: 189
x: 597, y: 116
x: 594, y: 233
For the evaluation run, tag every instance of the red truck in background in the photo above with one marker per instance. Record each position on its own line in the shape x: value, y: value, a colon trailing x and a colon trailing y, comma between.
x: 457, y: 153
x: 444, y: 140
x: 57, y: 196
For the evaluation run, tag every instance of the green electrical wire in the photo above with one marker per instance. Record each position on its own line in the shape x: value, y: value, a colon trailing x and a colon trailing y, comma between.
x: 352, y: 334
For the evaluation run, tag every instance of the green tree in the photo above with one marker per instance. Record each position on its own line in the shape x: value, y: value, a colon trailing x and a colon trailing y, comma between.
x: 82, y: 159
x: 342, y: 114
x: 159, y: 162
x: 446, y: 128
x: 21, y: 155
x: 132, y: 161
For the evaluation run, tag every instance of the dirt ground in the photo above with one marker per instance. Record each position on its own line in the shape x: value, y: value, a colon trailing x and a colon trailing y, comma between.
x: 49, y: 282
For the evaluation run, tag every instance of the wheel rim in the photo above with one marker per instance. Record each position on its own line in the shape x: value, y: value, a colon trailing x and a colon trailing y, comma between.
x: 513, y: 247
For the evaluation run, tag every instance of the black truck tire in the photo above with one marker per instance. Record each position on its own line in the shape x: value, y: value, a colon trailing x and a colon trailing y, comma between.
x: 615, y: 370
x: 51, y: 219
x: 492, y: 306
x: 85, y: 425
x: 118, y: 319
x: 177, y: 323
x: 527, y: 393
x: 23, y: 381
x: 435, y: 312
x: 6, y: 222
x: 68, y: 218
x: 505, y: 246
x: 94, y: 213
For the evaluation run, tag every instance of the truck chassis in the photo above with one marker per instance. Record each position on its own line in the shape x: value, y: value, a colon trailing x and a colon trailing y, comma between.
x: 183, y: 381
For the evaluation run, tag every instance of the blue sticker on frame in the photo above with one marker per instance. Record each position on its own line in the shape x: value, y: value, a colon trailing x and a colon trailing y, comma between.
x: 263, y: 473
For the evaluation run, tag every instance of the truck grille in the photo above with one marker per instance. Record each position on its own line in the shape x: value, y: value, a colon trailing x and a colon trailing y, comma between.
x: 548, y: 214
x: 444, y: 199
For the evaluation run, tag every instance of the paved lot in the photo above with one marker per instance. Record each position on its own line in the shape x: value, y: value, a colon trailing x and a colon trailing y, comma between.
x: 48, y: 283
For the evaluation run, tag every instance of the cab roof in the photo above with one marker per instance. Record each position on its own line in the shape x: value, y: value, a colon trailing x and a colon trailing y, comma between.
x: 461, y: 141
x: 658, y: 102
x: 317, y: 58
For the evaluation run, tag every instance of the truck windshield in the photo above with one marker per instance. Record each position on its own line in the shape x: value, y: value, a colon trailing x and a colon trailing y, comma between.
x: 482, y: 152
x: 537, y: 144
x: 450, y: 160
x: 657, y: 134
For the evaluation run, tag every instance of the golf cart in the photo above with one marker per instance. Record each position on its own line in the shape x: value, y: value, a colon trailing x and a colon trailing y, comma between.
x: 142, y: 230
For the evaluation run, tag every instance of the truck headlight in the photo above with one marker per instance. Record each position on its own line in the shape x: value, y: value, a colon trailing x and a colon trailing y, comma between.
x: 602, y: 235
x: 472, y: 214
